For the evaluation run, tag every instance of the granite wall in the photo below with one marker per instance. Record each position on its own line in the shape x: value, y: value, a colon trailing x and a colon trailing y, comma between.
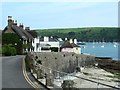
x: 65, y: 62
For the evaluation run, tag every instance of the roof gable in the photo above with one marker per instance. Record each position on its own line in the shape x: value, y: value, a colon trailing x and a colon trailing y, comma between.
x: 67, y: 44
x: 19, y: 31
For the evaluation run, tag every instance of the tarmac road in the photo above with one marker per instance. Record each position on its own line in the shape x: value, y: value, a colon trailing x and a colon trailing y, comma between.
x: 12, y: 73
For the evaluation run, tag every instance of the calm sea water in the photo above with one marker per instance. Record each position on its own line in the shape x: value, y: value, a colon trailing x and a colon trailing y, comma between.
x: 102, y: 50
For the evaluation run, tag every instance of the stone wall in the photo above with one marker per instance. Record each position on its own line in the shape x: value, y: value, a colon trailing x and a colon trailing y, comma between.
x: 65, y: 62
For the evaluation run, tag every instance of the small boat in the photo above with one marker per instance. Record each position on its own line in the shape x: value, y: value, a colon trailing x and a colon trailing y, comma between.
x: 84, y: 47
x: 81, y: 43
x: 115, y: 46
x: 102, y: 46
x: 93, y: 46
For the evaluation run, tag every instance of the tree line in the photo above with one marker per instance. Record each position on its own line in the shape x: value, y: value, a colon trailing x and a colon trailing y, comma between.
x: 98, y: 34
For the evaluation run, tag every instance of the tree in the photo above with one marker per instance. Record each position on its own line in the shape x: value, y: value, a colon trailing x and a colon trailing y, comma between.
x: 14, y: 40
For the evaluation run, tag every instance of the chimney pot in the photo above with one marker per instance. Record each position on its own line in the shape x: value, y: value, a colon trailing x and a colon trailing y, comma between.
x: 10, y: 21
x: 15, y: 23
x: 27, y: 28
x: 9, y: 17
x: 21, y: 25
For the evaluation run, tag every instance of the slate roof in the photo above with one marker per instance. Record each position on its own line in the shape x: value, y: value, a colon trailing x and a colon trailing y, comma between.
x: 50, y: 39
x: 19, y: 31
x: 67, y: 44
x: 75, y: 45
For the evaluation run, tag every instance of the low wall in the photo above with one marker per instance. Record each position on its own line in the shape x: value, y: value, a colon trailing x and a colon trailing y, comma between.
x: 65, y: 62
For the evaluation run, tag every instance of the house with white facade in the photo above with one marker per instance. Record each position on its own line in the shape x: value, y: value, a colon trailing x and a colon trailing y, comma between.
x: 46, y: 44
x: 71, y: 46
x: 50, y: 44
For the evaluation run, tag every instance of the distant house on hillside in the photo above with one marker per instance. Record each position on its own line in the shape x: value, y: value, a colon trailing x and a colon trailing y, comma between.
x: 24, y: 34
x: 69, y: 46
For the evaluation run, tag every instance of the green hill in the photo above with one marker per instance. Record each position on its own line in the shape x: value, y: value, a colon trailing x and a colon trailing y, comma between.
x: 83, y: 34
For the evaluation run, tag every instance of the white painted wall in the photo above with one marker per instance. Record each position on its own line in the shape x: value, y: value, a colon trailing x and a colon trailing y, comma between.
x: 53, y: 44
x: 46, y: 41
x: 67, y: 50
x: 77, y: 50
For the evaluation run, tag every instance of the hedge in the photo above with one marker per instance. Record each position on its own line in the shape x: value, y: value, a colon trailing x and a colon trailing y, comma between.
x: 8, y: 50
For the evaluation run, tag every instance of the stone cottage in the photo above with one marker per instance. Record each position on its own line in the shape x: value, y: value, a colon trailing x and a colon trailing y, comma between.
x: 69, y: 46
x: 24, y: 34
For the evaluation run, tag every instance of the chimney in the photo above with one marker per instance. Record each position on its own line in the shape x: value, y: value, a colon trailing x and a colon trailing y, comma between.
x: 27, y: 28
x: 75, y: 41
x: 10, y: 21
x: 71, y: 41
x: 9, y: 17
x: 65, y: 38
x: 15, y: 23
x: 46, y: 39
x: 21, y: 25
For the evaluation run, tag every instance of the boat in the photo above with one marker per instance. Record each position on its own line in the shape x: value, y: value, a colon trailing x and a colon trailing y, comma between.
x: 84, y: 47
x: 81, y: 43
x: 115, y: 46
x: 93, y: 44
x: 102, y: 46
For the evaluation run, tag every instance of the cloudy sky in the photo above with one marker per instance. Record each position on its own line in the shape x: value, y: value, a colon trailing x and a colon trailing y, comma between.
x: 62, y: 14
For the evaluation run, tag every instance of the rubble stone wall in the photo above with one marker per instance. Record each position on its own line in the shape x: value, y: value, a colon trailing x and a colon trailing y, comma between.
x: 65, y: 62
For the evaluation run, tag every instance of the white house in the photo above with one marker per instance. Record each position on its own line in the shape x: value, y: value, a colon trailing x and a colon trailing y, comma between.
x: 45, y: 44
x: 70, y: 46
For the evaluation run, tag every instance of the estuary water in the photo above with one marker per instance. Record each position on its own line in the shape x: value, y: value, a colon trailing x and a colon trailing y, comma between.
x: 101, y: 49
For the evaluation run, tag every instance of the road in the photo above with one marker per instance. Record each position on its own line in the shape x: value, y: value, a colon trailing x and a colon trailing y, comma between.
x: 12, y: 75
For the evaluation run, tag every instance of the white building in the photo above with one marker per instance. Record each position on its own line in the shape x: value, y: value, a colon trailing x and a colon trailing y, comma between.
x: 71, y: 46
x: 45, y: 44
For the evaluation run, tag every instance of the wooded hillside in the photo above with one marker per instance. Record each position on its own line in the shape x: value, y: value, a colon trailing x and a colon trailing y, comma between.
x: 97, y: 34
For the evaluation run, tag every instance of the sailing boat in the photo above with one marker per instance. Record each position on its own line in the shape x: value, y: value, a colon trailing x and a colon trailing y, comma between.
x: 103, y: 44
x: 115, y: 44
x: 93, y: 44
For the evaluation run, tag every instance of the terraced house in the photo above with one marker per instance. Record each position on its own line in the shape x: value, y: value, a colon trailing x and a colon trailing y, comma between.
x: 25, y: 35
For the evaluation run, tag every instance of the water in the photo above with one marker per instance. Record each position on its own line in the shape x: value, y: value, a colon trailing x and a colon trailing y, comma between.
x: 101, y: 50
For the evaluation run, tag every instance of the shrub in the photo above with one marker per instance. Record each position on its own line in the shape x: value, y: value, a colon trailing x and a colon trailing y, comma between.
x: 13, y: 51
x: 7, y: 50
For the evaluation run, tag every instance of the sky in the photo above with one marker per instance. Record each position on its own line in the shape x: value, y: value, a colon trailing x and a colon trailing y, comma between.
x: 46, y: 15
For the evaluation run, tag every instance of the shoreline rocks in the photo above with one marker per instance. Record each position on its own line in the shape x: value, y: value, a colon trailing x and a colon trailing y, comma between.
x: 108, y: 64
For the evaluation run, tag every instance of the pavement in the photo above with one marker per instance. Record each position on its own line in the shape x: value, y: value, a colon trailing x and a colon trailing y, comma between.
x: 12, y: 73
